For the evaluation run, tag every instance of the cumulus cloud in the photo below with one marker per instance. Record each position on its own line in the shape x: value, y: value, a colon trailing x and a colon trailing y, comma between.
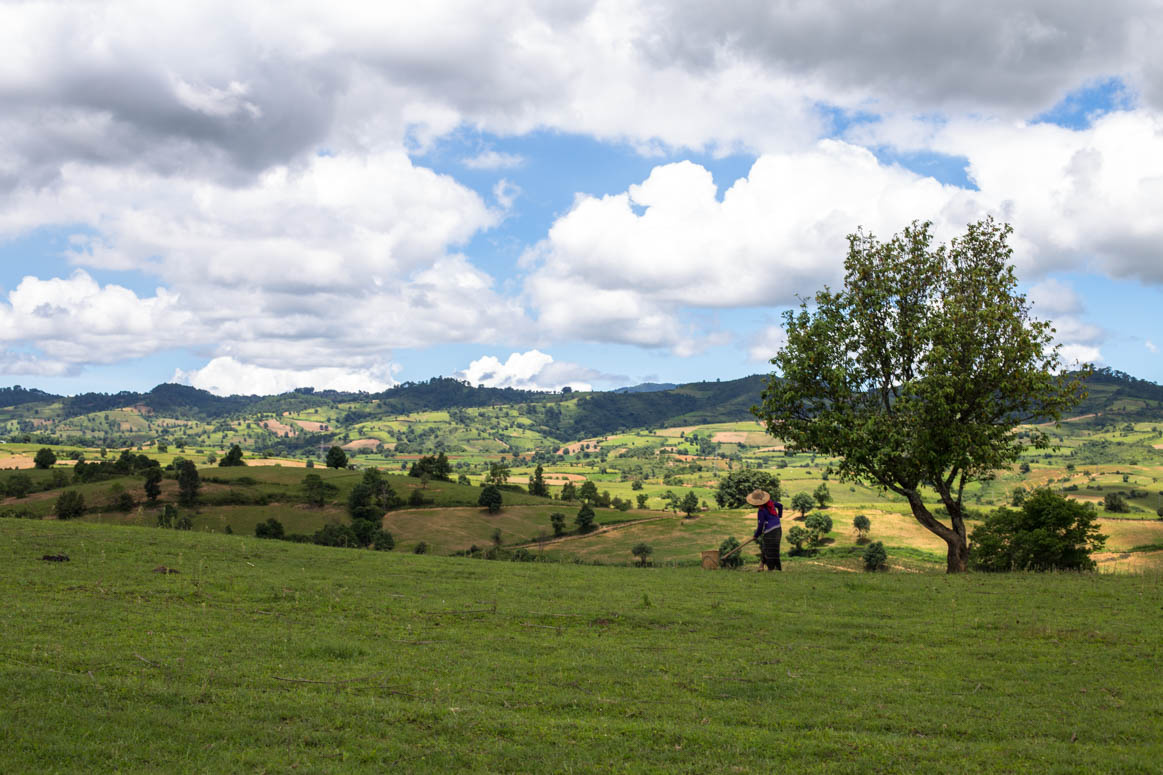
x: 225, y: 376
x: 1058, y: 303
x: 493, y: 160
x: 766, y: 343
x: 532, y: 370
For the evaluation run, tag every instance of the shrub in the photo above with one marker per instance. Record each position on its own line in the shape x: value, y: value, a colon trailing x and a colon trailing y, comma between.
x: 184, y: 523
x: 735, y: 560
x: 557, y: 519
x: 1159, y: 512
x: 384, y: 541
x: 818, y: 525
x: 70, y: 504
x: 167, y: 515
x: 336, y: 457
x: 1049, y: 532
x: 797, y: 537
x: 584, y: 519
x: 642, y: 551
x: 45, y: 458
x: 272, y: 528
x: 490, y: 498
x: 875, y: 557
x: 1115, y: 503
x: 19, y: 485
x: 420, y: 548
x: 803, y: 503
x: 416, y: 499
x: 862, y: 524
x: 822, y: 496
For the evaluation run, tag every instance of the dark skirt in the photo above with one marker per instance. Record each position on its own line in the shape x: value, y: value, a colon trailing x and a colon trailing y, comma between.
x: 769, y: 545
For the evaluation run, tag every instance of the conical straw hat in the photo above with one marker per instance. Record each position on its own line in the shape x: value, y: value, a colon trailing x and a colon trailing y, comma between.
x: 758, y: 498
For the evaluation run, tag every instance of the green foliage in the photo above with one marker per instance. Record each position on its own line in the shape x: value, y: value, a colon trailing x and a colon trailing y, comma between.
x: 819, y: 525
x: 588, y: 492
x: 70, y: 504
x: 636, y: 484
x: 641, y: 498
x: 729, y: 545
x: 420, y: 548
x: 1115, y: 503
x: 188, y: 483
x: 822, y: 495
x: 336, y: 457
x: 45, y: 458
x: 432, y: 466
x: 153, y: 483
x: 557, y: 519
x: 371, y: 497
x: 1018, y: 496
x: 1049, y: 532
x: 568, y: 492
x: 167, y: 516
x: 19, y: 485
x: 862, y: 524
x: 232, y: 458
x: 498, y: 473
x: 875, y: 557
x: 272, y: 528
x: 803, y: 503
x: 642, y: 551
x: 689, y: 504
x: 463, y: 480
x: 585, y: 519
x: 798, y: 536
x: 316, y: 490
x: 383, y: 541
x: 490, y: 498
x: 737, y: 485
x: 917, y: 371
x: 537, y: 485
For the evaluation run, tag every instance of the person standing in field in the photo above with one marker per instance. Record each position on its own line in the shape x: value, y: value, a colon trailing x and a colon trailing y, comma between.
x: 769, y: 530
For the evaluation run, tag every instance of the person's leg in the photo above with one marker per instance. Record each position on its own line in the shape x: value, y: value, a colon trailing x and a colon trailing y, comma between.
x: 776, y: 539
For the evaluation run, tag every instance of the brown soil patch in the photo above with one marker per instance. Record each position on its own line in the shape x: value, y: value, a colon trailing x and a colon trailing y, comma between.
x: 559, y: 478
x: 675, y: 432
x: 313, y: 427
x: 363, y: 444
x: 17, y: 461
x: 1070, y: 419
x: 274, y: 461
x: 278, y: 428
x: 779, y: 448
x: 1157, y: 446
x: 730, y: 437
x: 572, y: 449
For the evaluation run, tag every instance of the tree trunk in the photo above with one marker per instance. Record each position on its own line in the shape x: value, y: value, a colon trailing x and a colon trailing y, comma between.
x: 958, y: 552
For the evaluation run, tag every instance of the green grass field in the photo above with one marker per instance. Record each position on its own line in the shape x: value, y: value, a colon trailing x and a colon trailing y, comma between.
x: 267, y: 656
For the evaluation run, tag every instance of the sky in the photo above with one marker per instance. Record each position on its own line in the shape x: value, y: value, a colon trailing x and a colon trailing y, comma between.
x: 251, y: 197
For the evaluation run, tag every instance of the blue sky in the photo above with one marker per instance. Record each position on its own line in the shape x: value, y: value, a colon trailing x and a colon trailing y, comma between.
x: 590, y: 195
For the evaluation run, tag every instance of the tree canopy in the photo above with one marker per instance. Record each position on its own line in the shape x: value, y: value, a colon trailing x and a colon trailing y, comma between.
x: 737, y: 485
x: 1049, y: 532
x: 916, y: 372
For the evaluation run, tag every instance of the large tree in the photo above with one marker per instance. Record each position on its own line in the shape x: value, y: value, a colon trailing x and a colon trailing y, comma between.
x: 917, y: 371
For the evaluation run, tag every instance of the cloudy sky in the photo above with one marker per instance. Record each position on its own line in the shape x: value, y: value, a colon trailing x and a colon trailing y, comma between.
x: 249, y: 197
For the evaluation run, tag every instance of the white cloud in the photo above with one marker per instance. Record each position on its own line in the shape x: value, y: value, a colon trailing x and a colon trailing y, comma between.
x: 766, y: 343
x: 493, y: 160
x: 1058, y: 303
x: 506, y: 192
x: 226, y: 376
x: 532, y: 370
x: 1151, y: 346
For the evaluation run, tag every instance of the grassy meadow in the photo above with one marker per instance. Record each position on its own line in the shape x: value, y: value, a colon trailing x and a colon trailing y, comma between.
x: 268, y: 656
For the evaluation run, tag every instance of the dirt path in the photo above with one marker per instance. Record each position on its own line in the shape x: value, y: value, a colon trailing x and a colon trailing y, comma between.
x: 606, y: 529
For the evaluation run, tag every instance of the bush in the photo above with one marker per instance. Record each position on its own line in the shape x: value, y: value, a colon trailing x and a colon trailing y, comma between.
x: 797, y: 537
x: 70, y: 504
x: 184, y: 523
x: 45, y: 458
x: 735, y: 487
x: 1049, y: 532
x: 19, y: 485
x: 383, y: 541
x: 336, y: 457
x: 875, y: 557
x: 642, y: 551
x: 272, y: 528
x: 1159, y: 512
x: 557, y: 519
x: 420, y: 548
x: 584, y: 519
x: 822, y: 496
x: 862, y: 524
x: 167, y: 515
x: 490, y: 498
x: 735, y: 560
x: 819, y: 525
x: 1115, y: 503
x: 803, y: 503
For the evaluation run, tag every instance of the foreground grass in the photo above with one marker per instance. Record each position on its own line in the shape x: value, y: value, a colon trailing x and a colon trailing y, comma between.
x: 264, y: 656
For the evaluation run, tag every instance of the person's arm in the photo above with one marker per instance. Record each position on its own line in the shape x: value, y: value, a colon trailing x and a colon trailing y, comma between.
x: 758, y: 522
x: 779, y: 509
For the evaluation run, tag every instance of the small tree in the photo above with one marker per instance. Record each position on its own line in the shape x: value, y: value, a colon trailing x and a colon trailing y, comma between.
x: 862, y: 524
x: 736, y: 486
x: 819, y: 525
x: 588, y: 492
x: 167, y: 515
x: 803, y: 503
x: 636, y: 484
x: 272, y: 528
x: 642, y: 498
x: 822, y: 495
x: 568, y: 492
x: 336, y: 457
x: 1114, y: 502
x: 690, y: 504
x: 420, y: 548
x: 188, y: 483
x: 153, y: 483
x: 557, y: 519
x: 1049, y: 532
x: 875, y: 557
x: 730, y: 544
x: 642, y: 551
x: 383, y: 541
x: 70, y: 504
x: 498, y: 473
x: 232, y: 458
x: 584, y: 519
x: 45, y: 458
x: 461, y: 479
x: 537, y: 485
x: 797, y: 537
x: 490, y: 498
x: 315, y: 490
x: 416, y: 499
x: 19, y: 485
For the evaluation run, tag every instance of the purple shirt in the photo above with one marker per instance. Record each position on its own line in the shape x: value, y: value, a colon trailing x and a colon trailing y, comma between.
x: 769, y: 515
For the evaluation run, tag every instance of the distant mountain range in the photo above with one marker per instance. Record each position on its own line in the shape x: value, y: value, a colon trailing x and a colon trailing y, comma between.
x: 565, y: 416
